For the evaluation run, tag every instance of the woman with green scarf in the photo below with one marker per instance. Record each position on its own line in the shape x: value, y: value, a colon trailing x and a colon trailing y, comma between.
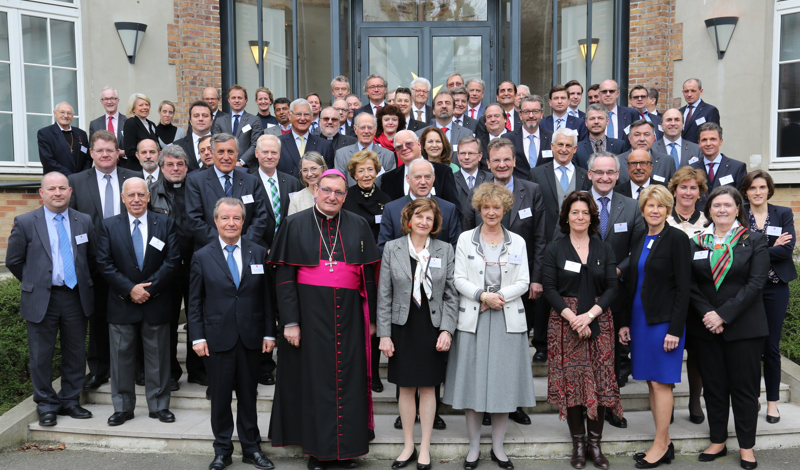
x: 727, y: 318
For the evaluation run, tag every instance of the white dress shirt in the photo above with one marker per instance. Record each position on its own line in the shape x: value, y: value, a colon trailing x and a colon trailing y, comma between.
x: 526, y: 142
x: 116, y: 189
x: 635, y: 189
x: 265, y: 179
x: 376, y: 106
x: 142, y: 228
x: 686, y: 111
x: 296, y: 137
x: 155, y: 174
x: 477, y: 111
x: 570, y: 171
x: 423, y: 117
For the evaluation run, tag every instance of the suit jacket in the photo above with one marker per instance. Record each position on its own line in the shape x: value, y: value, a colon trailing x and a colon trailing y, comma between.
x: 526, y: 219
x: 247, y: 137
x: 396, y: 284
x: 581, y: 114
x: 780, y: 257
x: 136, y: 132
x: 390, y: 222
x: 548, y: 122
x: 663, y: 166
x: 627, y: 116
x: 187, y: 144
x: 286, y: 185
x: 274, y: 130
x: 117, y: 263
x: 367, y: 108
x: 738, y: 300
x: 522, y: 167
x: 468, y: 122
x: 544, y: 176
x: 689, y: 150
x: 429, y: 117
x: 203, y: 190
x: 220, y: 313
x: 101, y: 123
x: 444, y: 185
x: 626, y: 190
x: 337, y: 142
x: 55, y: 153
x: 86, y: 193
x: 343, y: 155
x: 726, y: 167
x: 413, y: 125
x: 464, y: 192
x: 585, y: 150
x: 703, y: 112
x: 29, y: 259
x: 290, y: 156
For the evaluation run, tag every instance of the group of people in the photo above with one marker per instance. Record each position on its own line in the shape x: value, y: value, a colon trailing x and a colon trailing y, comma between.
x: 619, y: 237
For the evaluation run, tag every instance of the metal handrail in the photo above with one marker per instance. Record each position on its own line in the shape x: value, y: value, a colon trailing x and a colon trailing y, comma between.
x: 27, y: 184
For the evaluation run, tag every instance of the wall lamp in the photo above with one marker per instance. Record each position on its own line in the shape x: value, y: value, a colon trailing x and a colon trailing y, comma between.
x: 582, y: 46
x: 131, y: 35
x: 721, y: 30
x: 254, y: 50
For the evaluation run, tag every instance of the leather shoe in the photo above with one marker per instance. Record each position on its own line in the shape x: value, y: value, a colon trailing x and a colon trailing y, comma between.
x: 621, y: 381
x: 48, y: 418
x: 220, y: 462
x: 347, y: 463
x: 540, y: 356
x: 697, y: 419
x: 398, y: 423
x: 120, y: 417
x: 502, y: 463
x: 208, y: 393
x: 404, y: 463
x: 165, y: 416
x: 667, y: 458
x: 377, y: 385
x: 746, y: 464
x: 258, y: 460
x: 616, y: 422
x: 487, y: 419
x: 201, y: 379
x: 703, y: 457
x: 173, y: 385
x: 438, y: 423
x: 95, y: 382
x: 424, y: 466
x: 772, y: 420
x: 520, y: 417
x: 472, y: 465
x: 76, y: 412
x: 314, y: 464
x: 267, y: 379
x: 140, y: 380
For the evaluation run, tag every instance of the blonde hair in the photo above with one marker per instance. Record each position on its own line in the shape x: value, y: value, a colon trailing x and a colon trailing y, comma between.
x: 492, y: 192
x: 659, y: 193
x: 132, y: 103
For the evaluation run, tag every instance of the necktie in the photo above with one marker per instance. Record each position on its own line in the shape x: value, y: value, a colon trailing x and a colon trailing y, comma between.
x: 314, y: 127
x: 638, y: 191
x: 302, y: 147
x: 458, y: 121
x: 558, y: 123
x: 444, y: 131
x: 471, y: 182
x: 472, y: 113
x: 641, y: 115
x: 532, y: 153
x: 711, y: 172
x: 598, y: 145
x: 508, y: 122
x: 610, y: 128
x: 564, y: 179
x: 276, y: 202
x: 342, y: 130
x: 108, y: 210
x: 70, y: 279
x: 603, y: 217
x: 111, y: 125
x: 688, y: 117
x: 228, y: 186
x: 232, y: 264
x: 149, y: 180
x: 673, y: 152
x: 138, y: 245
x: 235, y: 123
x: 419, y: 114
x: 377, y: 108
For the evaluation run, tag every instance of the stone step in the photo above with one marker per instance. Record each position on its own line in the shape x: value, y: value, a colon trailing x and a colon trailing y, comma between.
x: 546, y: 438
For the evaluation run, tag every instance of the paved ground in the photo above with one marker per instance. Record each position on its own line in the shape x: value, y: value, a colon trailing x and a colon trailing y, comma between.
x: 781, y: 459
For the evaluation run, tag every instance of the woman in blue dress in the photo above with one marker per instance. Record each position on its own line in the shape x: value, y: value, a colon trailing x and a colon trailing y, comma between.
x: 660, y: 268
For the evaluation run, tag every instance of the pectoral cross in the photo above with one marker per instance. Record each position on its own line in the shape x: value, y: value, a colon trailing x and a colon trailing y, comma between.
x: 330, y: 263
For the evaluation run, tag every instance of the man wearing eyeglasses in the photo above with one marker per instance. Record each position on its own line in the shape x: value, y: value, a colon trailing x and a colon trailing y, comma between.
x: 470, y: 175
x: 639, y: 174
x: 639, y: 98
x: 62, y: 146
x: 598, y: 141
x: 375, y: 89
x: 112, y: 120
x: 531, y: 141
x: 619, y: 118
x: 365, y: 126
x: 345, y: 126
x: 300, y: 140
x: 329, y: 129
x: 642, y: 136
x: 420, y: 110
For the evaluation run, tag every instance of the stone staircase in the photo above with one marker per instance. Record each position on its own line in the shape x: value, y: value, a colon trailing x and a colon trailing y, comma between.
x: 545, y: 438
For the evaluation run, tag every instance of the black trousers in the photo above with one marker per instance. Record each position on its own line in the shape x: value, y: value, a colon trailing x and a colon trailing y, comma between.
x: 537, y: 313
x: 268, y: 364
x: 98, y: 355
x: 181, y: 294
x: 235, y: 369
x: 776, y: 301
x: 731, y: 372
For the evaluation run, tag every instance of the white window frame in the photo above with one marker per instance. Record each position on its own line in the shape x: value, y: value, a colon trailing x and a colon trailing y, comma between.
x: 43, y: 9
x: 785, y: 163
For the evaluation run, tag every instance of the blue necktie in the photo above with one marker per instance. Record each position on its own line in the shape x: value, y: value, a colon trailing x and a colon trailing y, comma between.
x: 564, y: 179
x: 674, y: 153
x: 70, y: 279
x: 228, y: 186
x: 138, y: 245
x: 235, y: 123
x: 532, y: 153
x: 558, y: 123
x: 603, y: 217
x: 610, y: 128
x: 232, y: 264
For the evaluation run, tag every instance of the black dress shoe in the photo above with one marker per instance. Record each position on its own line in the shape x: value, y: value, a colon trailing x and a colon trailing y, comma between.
x: 771, y: 420
x: 520, y: 417
x: 48, y: 418
x: 670, y: 451
x: 267, y: 379
x: 502, y: 463
x: 423, y: 466
x: 746, y: 464
x: 220, y: 462
x: 314, y: 464
x: 438, y: 423
x: 208, y: 394
x: 487, y: 419
x: 119, y: 418
x: 667, y: 458
x: 165, y: 416
x: 258, y: 460
x: 140, y: 380
x: 473, y: 464
x: 616, y: 422
x: 697, y: 419
x: 201, y: 379
x: 621, y: 381
x: 95, y: 382
x: 540, y: 356
x: 76, y: 412
x: 404, y: 463
x: 347, y: 463
x: 173, y: 385
x: 377, y: 385
x: 703, y: 457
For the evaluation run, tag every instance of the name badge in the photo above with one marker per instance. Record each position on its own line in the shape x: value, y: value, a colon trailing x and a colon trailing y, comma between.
x: 247, y: 199
x: 621, y: 227
x: 516, y: 259
x: 435, y: 262
x: 572, y: 266
x: 156, y: 243
x: 378, y: 219
x: 256, y: 269
x: 525, y: 213
x: 291, y: 195
x: 84, y: 149
x: 80, y: 239
x: 455, y: 148
x: 727, y: 179
x: 433, y: 191
x: 627, y: 129
x: 701, y: 254
x: 659, y: 178
x: 700, y: 121
x: 270, y: 125
x: 547, y: 154
x: 650, y: 244
x: 246, y: 129
x: 693, y: 159
x: 774, y: 231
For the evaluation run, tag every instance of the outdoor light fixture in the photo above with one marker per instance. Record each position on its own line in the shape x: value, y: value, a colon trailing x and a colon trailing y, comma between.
x: 131, y: 35
x: 254, y: 50
x: 721, y: 30
x: 582, y: 46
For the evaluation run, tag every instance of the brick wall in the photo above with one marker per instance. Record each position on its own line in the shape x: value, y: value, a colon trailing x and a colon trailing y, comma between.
x: 14, y: 202
x: 789, y: 196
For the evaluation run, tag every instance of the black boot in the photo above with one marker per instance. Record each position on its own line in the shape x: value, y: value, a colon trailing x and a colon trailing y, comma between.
x: 577, y: 430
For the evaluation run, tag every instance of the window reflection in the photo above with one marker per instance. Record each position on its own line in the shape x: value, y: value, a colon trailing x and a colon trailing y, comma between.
x: 425, y: 10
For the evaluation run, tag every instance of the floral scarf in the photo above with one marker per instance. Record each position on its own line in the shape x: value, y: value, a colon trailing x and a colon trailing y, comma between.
x: 721, y: 255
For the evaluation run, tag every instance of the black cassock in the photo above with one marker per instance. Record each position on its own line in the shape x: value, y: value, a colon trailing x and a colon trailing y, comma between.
x: 322, y: 398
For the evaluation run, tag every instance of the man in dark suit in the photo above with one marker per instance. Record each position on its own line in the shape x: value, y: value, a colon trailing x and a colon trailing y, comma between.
x: 343, y: 109
x: 696, y: 112
x: 62, y: 148
x: 96, y: 192
x: 719, y: 169
x: 559, y: 102
x: 619, y: 117
x: 375, y: 89
x: 230, y: 324
x: 476, y: 89
x: 299, y: 141
x: 420, y: 110
x: 365, y: 126
x: 598, y: 141
x: 638, y: 98
x: 112, y: 120
x: 205, y: 188
x: 200, y: 124
x: 491, y: 126
x: 532, y: 144
x: 682, y: 151
x: 470, y: 175
x: 246, y: 127
x: 642, y: 136
x: 139, y: 300
x: 506, y: 96
x: 460, y: 116
x: 51, y: 250
x: 443, y: 119
x: 147, y: 154
x: 639, y: 168
x: 329, y: 130
x: 575, y: 93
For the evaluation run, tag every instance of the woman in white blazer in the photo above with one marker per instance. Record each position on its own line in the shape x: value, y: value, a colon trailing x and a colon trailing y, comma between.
x: 489, y: 368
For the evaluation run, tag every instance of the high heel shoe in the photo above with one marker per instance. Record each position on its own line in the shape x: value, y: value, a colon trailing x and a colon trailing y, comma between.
x: 667, y: 458
x: 703, y: 457
x: 502, y: 463
x: 404, y: 463
x: 473, y: 464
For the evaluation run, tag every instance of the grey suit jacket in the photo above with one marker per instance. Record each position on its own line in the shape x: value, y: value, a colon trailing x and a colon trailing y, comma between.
x: 663, y: 166
x: 247, y: 138
x: 274, y: 130
x: 394, y: 290
x: 689, y: 150
x: 29, y: 259
x: 86, y: 193
x: 343, y: 155
x: 99, y: 124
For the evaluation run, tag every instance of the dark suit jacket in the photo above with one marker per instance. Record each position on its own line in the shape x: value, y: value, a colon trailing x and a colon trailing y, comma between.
x: 531, y: 227
x: 780, y: 257
x: 548, y: 122
x: 367, y: 108
x: 247, y: 140
x: 468, y: 122
x: 522, y: 167
x: 136, y: 132
x: 626, y: 190
x: 581, y: 114
x: 483, y: 135
x: 116, y: 261
x: 290, y: 156
x: 392, y: 183
x: 463, y: 189
x: 55, y: 154
x: 390, y: 222
x: 220, y: 313
x: 338, y: 142
x: 585, y: 150
x: 413, y: 125
x: 544, y: 176
x: 663, y: 166
x: 627, y: 116
x: 429, y: 117
x: 203, y: 190
x: 86, y: 194
x: 727, y: 166
x: 702, y: 111
x: 101, y: 123
x: 286, y: 185
x: 29, y: 259
x: 738, y: 300
x: 187, y: 144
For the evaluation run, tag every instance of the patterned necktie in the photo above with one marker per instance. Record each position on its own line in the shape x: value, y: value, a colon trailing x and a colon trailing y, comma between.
x: 603, y: 217
x: 276, y: 202
x: 598, y: 145
x: 638, y: 192
x: 108, y: 209
x: 673, y: 152
x: 149, y: 180
x: 419, y: 114
x: 471, y: 182
x: 232, y: 264
x: 235, y: 123
x: 688, y: 117
x: 508, y: 122
x: 228, y: 186
x: 558, y: 123
x: 302, y: 147
x: 70, y: 279
x: 532, y: 153
x: 610, y: 127
x: 138, y: 245
x: 564, y: 179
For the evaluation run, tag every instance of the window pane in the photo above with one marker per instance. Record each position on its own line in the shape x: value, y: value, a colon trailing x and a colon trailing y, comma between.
x: 314, y: 44
x: 402, y: 10
x: 37, y: 89
x: 65, y: 87
x: 7, y: 138
x: 34, y: 124
x: 34, y: 40
x: 394, y: 58
x: 790, y: 37
x: 789, y: 134
x: 536, y: 45
x: 460, y: 54
x: 789, y: 86
x: 424, y: 10
x: 5, y: 88
x: 4, y: 36
x: 62, y: 36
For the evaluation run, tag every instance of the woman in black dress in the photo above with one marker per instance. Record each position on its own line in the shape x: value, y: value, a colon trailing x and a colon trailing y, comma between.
x: 365, y: 198
x: 166, y: 131
x: 136, y: 129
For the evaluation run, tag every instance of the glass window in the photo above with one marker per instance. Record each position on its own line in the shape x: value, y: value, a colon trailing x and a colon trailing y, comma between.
x: 6, y: 116
x: 394, y: 58
x: 536, y: 45
x: 451, y: 54
x: 314, y: 48
x: 425, y: 10
x: 788, y: 90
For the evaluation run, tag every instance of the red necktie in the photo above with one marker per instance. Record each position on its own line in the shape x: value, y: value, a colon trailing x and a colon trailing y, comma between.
x: 377, y: 108
x: 444, y: 129
x: 641, y: 115
x: 472, y: 113
x: 111, y: 125
x: 688, y: 117
x: 286, y: 131
x: 711, y: 172
x: 508, y: 122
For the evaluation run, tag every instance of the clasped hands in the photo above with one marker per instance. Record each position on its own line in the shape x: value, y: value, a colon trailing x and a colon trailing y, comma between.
x: 580, y: 323
x: 138, y: 294
x: 713, y: 322
x: 494, y: 301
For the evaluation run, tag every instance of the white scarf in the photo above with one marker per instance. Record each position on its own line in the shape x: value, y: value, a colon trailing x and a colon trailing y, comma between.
x: 421, y: 276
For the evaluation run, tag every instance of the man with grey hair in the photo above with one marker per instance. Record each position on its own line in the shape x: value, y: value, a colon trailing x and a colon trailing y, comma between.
x: 329, y: 129
x: 619, y: 117
x: 522, y: 92
x: 475, y: 87
x: 421, y: 89
x: 642, y: 136
x: 696, y: 112
x: 112, y: 120
x: 147, y: 153
x: 340, y: 87
x: 460, y: 103
x: 454, y: 80
x: 300, y: 140
x: 341, y: 107
x: 211, y: 96
x: 375, y: 89
x: 598, y: 141
x: 365, y: 126
x: 62, y: 147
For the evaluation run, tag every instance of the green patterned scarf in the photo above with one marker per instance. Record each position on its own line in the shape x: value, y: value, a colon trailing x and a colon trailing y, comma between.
x: 721, y: 255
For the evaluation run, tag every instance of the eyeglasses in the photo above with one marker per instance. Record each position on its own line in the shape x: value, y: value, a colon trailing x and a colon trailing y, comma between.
x: 421, y: 91
x: 639, y: 164
x: 302, y: 115
x: 330, y: 119
x: 337, y: 194
x: 376, y: 87
x: 312, y: 169
x: 494, y: 263
x: 409, y: 145
x: 109, y: 100
x: 528, y: 112
x: 638, y: 97
x: 468, y: 154
x: 342, y: 110
x: 607, y: 92
x: 604, y: 173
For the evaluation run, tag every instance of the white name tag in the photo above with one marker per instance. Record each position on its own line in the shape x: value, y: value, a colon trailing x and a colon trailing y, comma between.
x: 455, y: 148
x: 80, y: 239
x: 547, y: 154
x: 270, y: 125
x: 621, y: 227
x: 659, y: 178
x: 650, y: 244
x: 291, y: 195
x: 525, y: 213
x: 83, y: 149
x: 156, y: 243
x: 247, y: 199
x: 700, y: 121
x: 378, y: 219
x: 516, y: 259
x: 572, y: 266
x: 727, y: 179
x: 774, y: 231
x: 435, y: 263
x: 627, y: 129
x: 256, y: 269
x: 701, y: 254
x: 692, y: 160
x: 246, y: 129
x: 433, y: 191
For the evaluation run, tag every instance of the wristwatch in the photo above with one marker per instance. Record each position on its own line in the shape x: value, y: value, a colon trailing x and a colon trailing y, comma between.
x: 591, y: 317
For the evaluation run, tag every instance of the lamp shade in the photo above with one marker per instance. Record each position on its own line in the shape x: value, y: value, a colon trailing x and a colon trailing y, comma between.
x: 721, y: 31
x: 254, y: 50
x: 582, y: 46
x: 131, y: 35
